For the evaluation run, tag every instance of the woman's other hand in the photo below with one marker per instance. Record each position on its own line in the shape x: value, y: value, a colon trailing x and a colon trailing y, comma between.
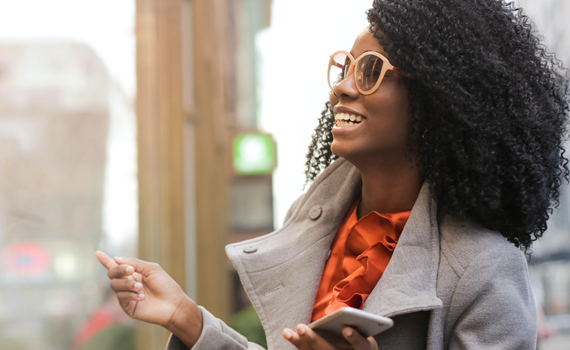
x: 147, y: 293
x: 306, y: 339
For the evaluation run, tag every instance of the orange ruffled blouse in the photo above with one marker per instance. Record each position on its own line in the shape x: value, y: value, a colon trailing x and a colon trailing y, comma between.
x: 361, y: 251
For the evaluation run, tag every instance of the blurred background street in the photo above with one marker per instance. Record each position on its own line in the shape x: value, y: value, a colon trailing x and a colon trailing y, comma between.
x: 166, y: 129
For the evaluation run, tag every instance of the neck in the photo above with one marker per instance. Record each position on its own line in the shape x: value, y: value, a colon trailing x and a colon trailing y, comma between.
x: 389, y: 187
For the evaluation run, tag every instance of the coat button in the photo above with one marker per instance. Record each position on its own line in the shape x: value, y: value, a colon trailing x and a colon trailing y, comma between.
x: 315, y: 212
x: 249, y: 249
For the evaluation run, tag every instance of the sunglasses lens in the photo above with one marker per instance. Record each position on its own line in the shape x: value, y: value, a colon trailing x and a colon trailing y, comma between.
x: 368, y: 72
x: 338, y: 68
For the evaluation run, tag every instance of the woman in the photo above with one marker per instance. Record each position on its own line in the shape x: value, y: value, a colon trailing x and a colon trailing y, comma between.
x: 439, y: 154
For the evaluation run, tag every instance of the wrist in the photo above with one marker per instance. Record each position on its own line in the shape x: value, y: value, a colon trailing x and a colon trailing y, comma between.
x: 186, y: 322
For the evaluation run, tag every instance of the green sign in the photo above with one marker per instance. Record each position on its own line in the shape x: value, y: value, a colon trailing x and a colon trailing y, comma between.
x: 254, y: 154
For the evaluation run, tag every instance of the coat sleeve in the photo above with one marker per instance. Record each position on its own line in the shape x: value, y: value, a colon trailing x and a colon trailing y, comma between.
x: 215, y: 335
x: 494, y: 304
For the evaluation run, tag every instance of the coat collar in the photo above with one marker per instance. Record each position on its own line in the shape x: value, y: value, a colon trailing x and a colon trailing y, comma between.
x: 281, y: 271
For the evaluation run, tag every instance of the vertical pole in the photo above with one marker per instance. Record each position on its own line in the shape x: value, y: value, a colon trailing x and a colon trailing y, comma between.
x: 211, y: 119
x: 160, y: 120
x: 177, y: 98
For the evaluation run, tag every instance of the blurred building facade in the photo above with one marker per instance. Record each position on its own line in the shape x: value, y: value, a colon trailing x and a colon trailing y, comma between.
x: 57, y: 103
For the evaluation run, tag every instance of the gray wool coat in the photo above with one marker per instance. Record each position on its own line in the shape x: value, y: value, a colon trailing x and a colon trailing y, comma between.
x: 450, y: 284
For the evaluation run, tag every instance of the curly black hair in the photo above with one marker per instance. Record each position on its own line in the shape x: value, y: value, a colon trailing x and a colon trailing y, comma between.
x: 489, y: 108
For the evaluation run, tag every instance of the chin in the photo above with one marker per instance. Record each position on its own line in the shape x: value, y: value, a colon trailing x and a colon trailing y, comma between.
x: 343, y: 152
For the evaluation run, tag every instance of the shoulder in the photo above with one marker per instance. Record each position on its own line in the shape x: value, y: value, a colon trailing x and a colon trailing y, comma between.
x: 490, y: 279
x: 486, y: 267
x: 466, y: 244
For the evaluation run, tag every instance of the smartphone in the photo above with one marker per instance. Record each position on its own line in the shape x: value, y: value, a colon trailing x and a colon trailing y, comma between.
x: 330, y: 327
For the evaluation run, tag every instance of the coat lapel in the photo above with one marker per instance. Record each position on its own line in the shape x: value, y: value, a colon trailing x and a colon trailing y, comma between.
x: 281, y: 271
x: 409, y: 282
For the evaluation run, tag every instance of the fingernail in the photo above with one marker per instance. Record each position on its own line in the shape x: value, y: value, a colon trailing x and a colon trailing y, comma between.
x: 348, y: 332
x: 130, y: 269
x: 119, y: 258
x: 301, y: 329
x: 138, y: 285
x: 287, y: 334
x: 141, y: 296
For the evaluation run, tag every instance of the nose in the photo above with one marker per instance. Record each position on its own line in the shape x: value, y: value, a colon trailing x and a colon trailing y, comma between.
x: 346, y: 88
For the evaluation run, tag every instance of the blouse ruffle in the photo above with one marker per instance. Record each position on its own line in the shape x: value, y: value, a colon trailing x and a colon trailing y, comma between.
x: 360, y: 254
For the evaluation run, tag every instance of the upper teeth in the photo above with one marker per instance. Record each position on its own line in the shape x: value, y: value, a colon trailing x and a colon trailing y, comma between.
x: 347, y: 117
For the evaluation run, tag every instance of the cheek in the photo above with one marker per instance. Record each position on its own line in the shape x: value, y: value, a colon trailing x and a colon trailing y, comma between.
x: 392, y: 99
x: 392, y: 110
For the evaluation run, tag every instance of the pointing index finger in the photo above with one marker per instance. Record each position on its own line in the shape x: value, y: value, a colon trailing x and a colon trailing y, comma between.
x: 105, y: 260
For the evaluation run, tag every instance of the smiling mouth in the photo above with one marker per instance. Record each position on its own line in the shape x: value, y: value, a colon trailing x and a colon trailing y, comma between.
x: 345, y: 119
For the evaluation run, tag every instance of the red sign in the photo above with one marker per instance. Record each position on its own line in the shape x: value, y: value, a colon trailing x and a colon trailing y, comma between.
x: 27, y: 259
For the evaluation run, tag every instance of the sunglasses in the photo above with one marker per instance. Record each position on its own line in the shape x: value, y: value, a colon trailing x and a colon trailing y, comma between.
x: 369, y: 70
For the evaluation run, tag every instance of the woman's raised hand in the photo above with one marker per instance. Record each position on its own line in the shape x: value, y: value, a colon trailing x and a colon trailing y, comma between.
x: 306, y: 339
x: 147, y: 293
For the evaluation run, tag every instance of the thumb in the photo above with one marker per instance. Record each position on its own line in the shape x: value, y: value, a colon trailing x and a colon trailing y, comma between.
x: 145, y: 268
